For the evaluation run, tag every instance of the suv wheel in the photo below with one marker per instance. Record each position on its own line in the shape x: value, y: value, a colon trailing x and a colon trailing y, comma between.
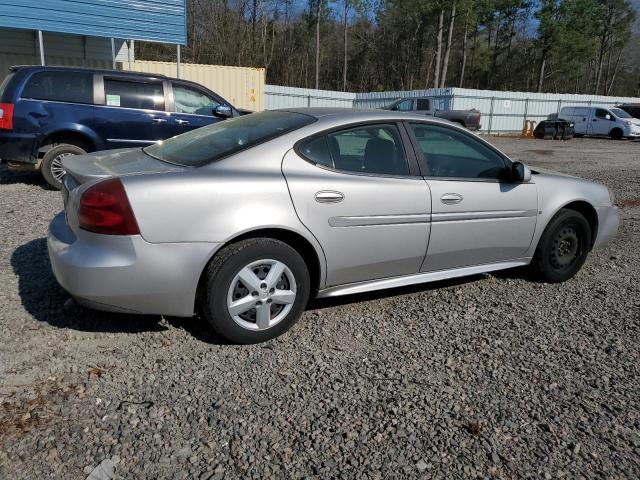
x: 51, y: 167
x: 563, y: 247
x: 255, y: 290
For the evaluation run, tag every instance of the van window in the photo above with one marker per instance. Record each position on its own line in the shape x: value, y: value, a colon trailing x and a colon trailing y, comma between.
x: 127, y: 94
x: 190, y: 100
x: 601, y: 113
x: 422, y: 104
x: 72, y: 87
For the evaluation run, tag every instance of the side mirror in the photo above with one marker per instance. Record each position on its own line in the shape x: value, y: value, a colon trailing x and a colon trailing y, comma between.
x: 607, y: 116
x: 223, y: 111
x: 520, y: 172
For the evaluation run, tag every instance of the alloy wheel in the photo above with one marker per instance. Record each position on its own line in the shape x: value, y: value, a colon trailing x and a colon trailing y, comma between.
x: 261, y: 294
x: 57, y: 170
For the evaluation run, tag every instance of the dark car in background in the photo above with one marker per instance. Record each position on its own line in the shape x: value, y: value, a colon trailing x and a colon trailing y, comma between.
x: 47, y: 113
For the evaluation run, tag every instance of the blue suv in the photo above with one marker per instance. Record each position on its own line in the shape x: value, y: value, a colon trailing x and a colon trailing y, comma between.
x: 49, y: 112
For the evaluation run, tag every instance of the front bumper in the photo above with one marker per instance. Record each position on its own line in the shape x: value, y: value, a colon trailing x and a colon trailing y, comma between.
x: 608, y: 223
x: 126, y: 273
x: 18, y: 147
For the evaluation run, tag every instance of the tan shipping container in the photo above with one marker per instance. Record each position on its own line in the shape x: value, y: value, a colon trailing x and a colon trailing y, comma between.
x: 242, y: 86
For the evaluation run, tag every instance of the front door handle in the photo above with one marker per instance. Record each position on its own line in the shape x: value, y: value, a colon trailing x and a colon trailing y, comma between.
x: 329, y: 196
x: 159, y: 120
x: 451, y: 198
x: 182, y: 122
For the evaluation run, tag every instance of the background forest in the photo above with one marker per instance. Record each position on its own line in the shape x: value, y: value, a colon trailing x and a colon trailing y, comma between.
x: 563, y: 46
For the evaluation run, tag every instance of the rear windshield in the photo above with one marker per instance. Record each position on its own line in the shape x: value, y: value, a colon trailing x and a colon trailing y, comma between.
x: 207, y: 144
x: 72, y: 87
x: 4, y: 84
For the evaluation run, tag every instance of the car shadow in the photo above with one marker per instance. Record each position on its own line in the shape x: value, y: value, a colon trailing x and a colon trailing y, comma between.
x: 8, y: 177
x: 46, y: 301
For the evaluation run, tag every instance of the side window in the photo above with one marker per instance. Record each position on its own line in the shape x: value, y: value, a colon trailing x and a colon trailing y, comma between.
x: 72, y: 87
x: 369, y: 149
x: 127, y: 94
x: 190, y: 100
x: 317, y: 151
x: 454, y: 154
x: 422, y: 104
x: 601, y: 113
x: 405, y: 105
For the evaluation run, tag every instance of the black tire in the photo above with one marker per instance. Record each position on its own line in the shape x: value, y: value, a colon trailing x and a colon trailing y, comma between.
x: 563, y: 247
x: 222, y: 271
x: 616, y: 134
x: 49, y: 166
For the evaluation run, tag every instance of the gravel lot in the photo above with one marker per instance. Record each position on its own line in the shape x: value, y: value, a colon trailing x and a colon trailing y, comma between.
x: 494, y: 376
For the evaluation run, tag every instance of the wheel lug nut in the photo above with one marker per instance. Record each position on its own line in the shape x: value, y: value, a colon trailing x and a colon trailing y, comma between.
x: 269, y: 300
x: 258, y: 303
x: 263, y: 286
x: 272, y: 291
x: 254, y: 294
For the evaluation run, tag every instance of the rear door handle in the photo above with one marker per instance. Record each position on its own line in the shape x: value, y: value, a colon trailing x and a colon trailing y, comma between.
x: 329, y: 196
x: 182, y: 122
x: 159, y: 120
x: 451, y: 198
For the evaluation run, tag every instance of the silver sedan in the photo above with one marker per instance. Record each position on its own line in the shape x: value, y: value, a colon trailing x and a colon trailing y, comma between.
x: 246, y: 219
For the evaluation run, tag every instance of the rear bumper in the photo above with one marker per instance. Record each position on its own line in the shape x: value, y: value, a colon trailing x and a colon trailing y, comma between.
x: 18, y: 147
x: 608, y: 223
x: 126, y: 273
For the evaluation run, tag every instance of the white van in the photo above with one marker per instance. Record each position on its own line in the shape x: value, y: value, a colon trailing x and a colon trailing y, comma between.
x: 609, y: 121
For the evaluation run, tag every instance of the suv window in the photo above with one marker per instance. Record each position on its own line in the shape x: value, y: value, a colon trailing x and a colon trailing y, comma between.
x: 73, y: 87
x: 369, y: 149
x: 190, y: 100
x: 454, y: 154
x: 128, y: 94
x: 422, y: 104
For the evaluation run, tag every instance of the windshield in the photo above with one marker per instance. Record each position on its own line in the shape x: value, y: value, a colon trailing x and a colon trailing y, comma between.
x: 620, y: 113
x: 207, y: 144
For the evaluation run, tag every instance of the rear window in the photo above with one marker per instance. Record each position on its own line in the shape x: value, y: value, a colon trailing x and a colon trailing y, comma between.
x: 207, y: 144
x: 72, y: 87
x: 5, y: 82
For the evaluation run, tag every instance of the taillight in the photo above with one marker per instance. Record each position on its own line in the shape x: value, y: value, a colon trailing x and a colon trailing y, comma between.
x: 105, y: 208
x: 6, y: 116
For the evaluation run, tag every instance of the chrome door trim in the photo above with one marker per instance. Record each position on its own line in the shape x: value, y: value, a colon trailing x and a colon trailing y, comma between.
x: 381, y: 284
x: 361, y: 221
x: 482, y: 215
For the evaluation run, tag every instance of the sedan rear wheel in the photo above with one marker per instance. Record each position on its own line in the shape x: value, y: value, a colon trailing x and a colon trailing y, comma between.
x: 563, y: 247
x: 256, y: 290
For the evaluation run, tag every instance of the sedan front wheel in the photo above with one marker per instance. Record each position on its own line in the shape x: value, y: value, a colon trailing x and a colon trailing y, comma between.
x: 256, y: 290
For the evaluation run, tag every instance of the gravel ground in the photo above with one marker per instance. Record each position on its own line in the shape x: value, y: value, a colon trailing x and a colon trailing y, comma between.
x: 494, y: 376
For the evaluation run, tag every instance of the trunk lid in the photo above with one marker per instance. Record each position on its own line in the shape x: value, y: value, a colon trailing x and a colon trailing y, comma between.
x: 111, y: 163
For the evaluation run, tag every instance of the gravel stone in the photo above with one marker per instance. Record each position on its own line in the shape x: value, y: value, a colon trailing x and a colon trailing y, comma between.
x: 494, y: 376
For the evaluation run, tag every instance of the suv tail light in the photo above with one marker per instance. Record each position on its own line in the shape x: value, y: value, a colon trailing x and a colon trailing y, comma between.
x: 105, y: 208
x: 6, y: 116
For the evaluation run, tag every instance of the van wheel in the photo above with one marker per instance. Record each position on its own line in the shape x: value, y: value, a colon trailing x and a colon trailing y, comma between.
x: 51, y: 167
x: 616, y: 134
x: 255, y: 290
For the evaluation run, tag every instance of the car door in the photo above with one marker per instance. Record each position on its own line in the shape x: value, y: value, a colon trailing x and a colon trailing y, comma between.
x: 131, y: 112
x: 477, y: 217
x: 601, y: 122
x: 192, y: 108
x: 359, y: 193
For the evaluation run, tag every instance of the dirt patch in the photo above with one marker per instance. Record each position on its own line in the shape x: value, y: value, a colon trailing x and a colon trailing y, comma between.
x: 541, y: 152
x: 634, y: 202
